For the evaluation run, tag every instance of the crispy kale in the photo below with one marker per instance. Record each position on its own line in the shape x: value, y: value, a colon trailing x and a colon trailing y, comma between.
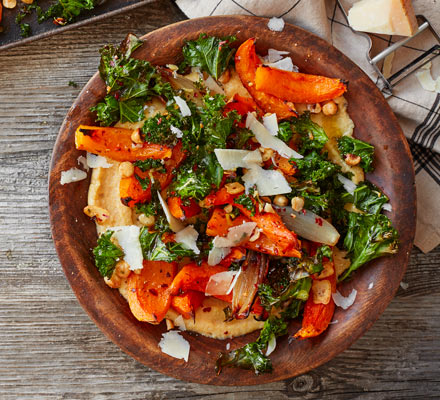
x: 65, y: 11
x: 154, y: 249
x: 368, y: 237
x: 106, y: 254
x: 150, y: 163
x: 252, y: 355
x: 349, y: 145
x: 246, y: 202
x: 367, y: 197
x: 211, y: 54
x: 312, y: 135
x: 314, y: 167
x: 130, y: 83
x: 285, y: 132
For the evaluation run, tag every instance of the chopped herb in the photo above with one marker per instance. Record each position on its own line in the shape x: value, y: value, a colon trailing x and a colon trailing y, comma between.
x: 106, y: 254
x: 210, y: 53
x: 349, y: 145
x: 150, y: 163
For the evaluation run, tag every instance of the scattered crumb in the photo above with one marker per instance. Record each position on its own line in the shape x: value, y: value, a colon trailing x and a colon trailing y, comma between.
x: 276, y: 24
x: 371, y: 285
x: 9, y: 254
x: 334, y: 322
x: 228, y: 346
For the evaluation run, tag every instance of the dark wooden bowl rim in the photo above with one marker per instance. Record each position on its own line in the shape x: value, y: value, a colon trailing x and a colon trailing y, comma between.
x: 74, y: 234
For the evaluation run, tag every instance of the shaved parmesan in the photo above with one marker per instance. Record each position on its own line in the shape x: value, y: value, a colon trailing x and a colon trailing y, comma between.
x: 275, y: 55
x: 270, y: 122
x: 271, y: 345
x: 234, y: 281
x: 267, y: 140
x: 388, y: 207
x: 348, y: 184
x: 72, y: 175
x: 128, y: 239
x: 188, y: 238
x: 404, y: 285
x: 231, y: 159
x: 176, y: 131
x: 253, y: 157
x: 184, y: 109
x: 285, y: 64
x: 174, y: 345
x: 342, y: 301
x: 213, y: 86
x: 83, y: 162
x: 95, y: 161
x: 370, y: 285
x: 236, y: 235
x: 180, y: 323
x: 216, y: 254
x: 175, y: 224
x: 276, y: 24
x: 268, y: 182
x: 219, y: 284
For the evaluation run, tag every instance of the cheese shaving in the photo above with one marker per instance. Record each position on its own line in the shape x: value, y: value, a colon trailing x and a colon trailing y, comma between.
x: 175, y: 345
x: 349, y: 185
x: 128, y: 239
x: 180, y: 323
x: 175, y: 224
x: 231, y: 159
x: 217, y: 254
x: 236, y: 235
x: 188, y: 238
x: 268, y: 182
x: 83, y: 162
x: 219, y: 284
x: 266, y: 140
x: 285, y: 64
x: 276, y: 24
x: 426, y: 80
x: 342, y: 301
x: 72, y: 175
x: 95, y: 161
x: 184, y: 109
x: 213, y: 86
x: 270, y: 122
x: 274, y: 55
x: 176, y: 131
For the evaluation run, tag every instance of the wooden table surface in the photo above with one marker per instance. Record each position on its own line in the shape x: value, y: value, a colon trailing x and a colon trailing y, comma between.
x: 49, y: 349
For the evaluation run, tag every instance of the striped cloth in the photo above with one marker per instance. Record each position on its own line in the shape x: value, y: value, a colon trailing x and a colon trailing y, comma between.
x: 417, y: 110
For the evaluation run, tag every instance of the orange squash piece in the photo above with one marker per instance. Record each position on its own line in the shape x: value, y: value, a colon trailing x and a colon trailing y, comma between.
x: 317, y: 317
x: 297, y: 87
x: 181, y: 211
x: 116, y: 144
x: 246, y: 63
x: 130, y: 189
x: 187, y: 303
x: 149, y: 297
x: 242, y: 105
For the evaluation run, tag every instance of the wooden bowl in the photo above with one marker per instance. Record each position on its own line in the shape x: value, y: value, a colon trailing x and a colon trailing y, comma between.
x: 75, y: 235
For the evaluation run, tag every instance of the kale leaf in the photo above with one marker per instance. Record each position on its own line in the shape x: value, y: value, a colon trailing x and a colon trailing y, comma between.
x: 285, y: 132
x: 154, y: 249
x: 368, y: 237
x: 367, y: 197
x: 211, y: 54
x: 130, y: 83
x: 106, y: 254
x: 312, y: 135
x: 150, y: 163
x: 25, y: 30
x: 313, y: 167
x: 349, y: 145
x: 65, y: 11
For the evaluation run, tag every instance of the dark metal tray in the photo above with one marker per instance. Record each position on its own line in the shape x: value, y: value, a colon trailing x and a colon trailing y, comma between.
x: 11, y: 34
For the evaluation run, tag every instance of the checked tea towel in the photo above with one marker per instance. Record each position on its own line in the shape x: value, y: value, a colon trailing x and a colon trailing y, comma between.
x: 417, y: 110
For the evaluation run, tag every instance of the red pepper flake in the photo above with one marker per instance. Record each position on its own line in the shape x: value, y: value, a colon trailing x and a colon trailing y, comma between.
x: 318, y: 221
x: 225, y: 332
x: 164, y: 285
x: 196, y: 94
x: 153, y: 292
x: 303, y: 211
x: 207, y: 309
x: 159, y: 121
x: 59, y: 21
x: 117, y: 95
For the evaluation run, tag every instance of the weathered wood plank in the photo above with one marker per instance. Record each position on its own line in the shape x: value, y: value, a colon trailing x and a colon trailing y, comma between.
x: 49, y: 349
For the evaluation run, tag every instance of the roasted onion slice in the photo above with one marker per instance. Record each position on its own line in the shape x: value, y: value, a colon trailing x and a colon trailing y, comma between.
x: 253, y: 272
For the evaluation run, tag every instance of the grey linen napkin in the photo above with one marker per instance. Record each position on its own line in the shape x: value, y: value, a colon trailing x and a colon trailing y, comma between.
x: 417, y: 109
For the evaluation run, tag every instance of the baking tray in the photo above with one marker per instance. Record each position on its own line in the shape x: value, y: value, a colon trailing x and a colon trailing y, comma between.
x: 11, y: 35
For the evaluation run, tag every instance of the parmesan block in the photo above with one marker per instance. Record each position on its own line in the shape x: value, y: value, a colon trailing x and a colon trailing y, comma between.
x: 388, y: 17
